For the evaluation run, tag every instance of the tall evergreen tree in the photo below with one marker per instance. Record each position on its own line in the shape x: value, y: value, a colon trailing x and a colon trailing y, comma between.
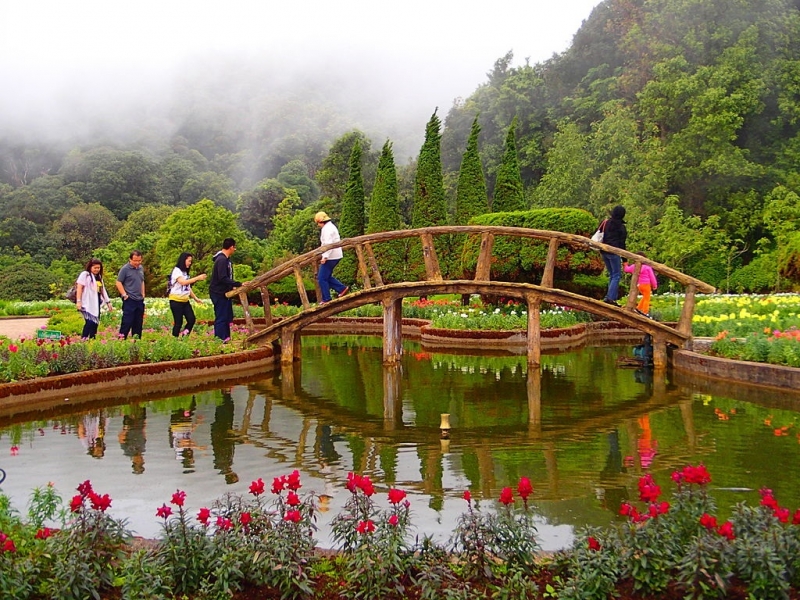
x: 471, y: 198
x: 384, y: 215
x: 384, y: 209
x: 430, y: 207
x: 509, y: 193
x: 352, y: 221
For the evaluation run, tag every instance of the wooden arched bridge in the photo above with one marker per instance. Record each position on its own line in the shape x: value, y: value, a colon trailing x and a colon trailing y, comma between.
x: 286, y: 331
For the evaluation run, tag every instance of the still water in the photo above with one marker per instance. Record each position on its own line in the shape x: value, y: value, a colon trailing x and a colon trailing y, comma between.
x: 582, y: 428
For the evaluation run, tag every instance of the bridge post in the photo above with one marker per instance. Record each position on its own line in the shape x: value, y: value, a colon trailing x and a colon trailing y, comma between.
x: 291, y: 347
x: 534, y: 388
x: 392, y: 330
x: 534, y: 338
x: 392, y: 397
x: 550, y: 266
x: 659, y: 354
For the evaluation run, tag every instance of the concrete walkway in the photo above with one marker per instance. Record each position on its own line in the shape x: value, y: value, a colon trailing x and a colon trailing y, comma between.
x: 16, y: 328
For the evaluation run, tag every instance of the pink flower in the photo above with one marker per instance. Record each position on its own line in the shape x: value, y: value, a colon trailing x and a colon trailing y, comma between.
x: 203, y: 515
x: 524, y: 489
x: 257, y: 487
x: 164, y: 511
x: 178, y: 498
x: 396, y: 496
x: 594, y: 545
x: 394, y: 520
x: 506, y: 496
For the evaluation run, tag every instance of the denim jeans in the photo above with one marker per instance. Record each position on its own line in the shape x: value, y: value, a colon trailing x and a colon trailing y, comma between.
x: 614, y: 267
x: 327, y: 280
x: 223, y: 315
x: 132, y: 317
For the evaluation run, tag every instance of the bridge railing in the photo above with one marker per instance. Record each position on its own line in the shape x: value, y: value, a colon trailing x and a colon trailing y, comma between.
x: 370, y: 273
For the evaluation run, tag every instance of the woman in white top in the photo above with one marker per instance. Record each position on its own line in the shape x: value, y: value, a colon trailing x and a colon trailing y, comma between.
x: 179, y: 294
x: 328, y: 235
x: 90, y: 294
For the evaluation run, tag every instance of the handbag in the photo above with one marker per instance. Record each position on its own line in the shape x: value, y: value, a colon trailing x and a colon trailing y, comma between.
x: 72, y: 293
x: 598, y: 235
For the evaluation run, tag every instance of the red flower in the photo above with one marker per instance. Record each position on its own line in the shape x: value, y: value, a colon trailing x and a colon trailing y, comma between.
x: 44, y: 533
x: 625, y: 509
x: 8, y: 546
x: 353, y: 482
x: 257, y: 487
x: 648, y: 490
x: 224, y: 523
x: 726, y: 530
x: 245, y: 518
x: 467, y: 496
x: 365, y: 527
x: 178, y: 498
x: 164, y: 511
x: 782, y: 514
x: 663, y: 508
x: 768, y: 500
x: 394, y: 520
x: 292, y: 499
x: 396, y: 496
x: 366, y: 486
x: 13, y: 348
x: 594, y: 545
x: 277, y: 485
x: 85, y: 488
x: 708, y: 521
x: 203, y: 515
x: 76, y: 504
x: 99, y: 502
x: 293, y: 516
x: 293, y: 481
x: 524, y: 488
x: 796, y: 517
x: 506, y: 496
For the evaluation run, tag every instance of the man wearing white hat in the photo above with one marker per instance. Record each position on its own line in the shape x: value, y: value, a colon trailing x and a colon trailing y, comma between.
x: 328, y: 235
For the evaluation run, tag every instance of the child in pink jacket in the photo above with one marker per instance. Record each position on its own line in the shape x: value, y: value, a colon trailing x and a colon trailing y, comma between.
x: 647, y: 283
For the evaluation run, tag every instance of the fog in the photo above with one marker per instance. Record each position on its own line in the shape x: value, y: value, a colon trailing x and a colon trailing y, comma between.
x: 93, y: 69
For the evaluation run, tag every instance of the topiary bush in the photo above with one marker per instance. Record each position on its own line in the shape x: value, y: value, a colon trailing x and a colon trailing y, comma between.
x: 758, y: 276
x: 27, y: 282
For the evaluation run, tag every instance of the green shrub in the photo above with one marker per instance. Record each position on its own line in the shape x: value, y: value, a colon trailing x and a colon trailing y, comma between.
x: 27, y: 282
x: 758, y: 276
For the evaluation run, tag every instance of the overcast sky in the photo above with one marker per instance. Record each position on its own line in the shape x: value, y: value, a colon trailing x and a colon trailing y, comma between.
x: 56, y: 55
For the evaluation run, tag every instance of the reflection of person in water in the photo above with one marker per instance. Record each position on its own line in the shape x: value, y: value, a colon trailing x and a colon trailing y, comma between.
x: 325, y: 446
x: 132, y: 438
x: 612, y: 492
x: 91, y: 432
x: 646, y: 445
x: 222, y: 442
x: 181, y: 428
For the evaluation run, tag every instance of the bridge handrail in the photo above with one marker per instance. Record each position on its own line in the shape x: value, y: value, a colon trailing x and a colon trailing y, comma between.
x: 309, y: 258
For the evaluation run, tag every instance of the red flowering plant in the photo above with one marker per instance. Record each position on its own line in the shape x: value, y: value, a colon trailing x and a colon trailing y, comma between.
x: 484, y: 540
x: 376, y: 549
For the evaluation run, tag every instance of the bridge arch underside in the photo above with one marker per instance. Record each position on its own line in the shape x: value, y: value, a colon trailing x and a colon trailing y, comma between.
x: 287, y: 330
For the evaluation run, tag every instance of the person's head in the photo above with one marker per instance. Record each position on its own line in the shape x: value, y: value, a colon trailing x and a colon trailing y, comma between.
x: 321, y: 218
x: 228, y: 246
x: 135, y: 259
x: 184, y: 262
x: 642, y: 254
x: 95, y: 267
x: 618, y: 212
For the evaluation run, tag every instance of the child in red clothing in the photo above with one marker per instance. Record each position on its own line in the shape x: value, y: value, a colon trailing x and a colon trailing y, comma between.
x: 647, y: 283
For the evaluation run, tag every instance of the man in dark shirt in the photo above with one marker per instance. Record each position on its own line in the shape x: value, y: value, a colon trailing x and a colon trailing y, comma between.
x: 222, y: 282
x: 130, y: 285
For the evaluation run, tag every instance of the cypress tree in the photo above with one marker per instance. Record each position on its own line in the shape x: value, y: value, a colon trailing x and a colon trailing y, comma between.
x: 384, y: 215
x: 471, y: 197
x: 509, y: 193
x: 351, y: 223
x: 384, y: 209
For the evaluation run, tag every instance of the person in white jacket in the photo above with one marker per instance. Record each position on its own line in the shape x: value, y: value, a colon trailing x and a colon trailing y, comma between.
x: 90, y: 296
x: 328, y: 235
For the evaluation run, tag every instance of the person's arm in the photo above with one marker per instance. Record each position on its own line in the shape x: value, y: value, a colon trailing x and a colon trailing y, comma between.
x: 79, y: 287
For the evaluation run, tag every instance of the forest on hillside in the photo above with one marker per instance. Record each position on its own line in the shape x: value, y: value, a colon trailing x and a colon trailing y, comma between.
x: 687, y: 112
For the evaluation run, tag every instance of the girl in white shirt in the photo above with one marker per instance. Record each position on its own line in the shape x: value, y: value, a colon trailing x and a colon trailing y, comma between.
x: 179, y: 294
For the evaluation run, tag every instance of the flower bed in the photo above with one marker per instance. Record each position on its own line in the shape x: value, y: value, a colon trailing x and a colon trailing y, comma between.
x: 264, y: 547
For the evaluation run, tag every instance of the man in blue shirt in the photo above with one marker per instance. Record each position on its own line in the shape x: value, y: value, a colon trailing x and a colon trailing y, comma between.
x: 130, y: 285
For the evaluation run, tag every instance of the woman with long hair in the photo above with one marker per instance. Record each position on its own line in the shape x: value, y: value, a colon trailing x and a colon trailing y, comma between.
x: 90, y: 296
x: 180, y: 292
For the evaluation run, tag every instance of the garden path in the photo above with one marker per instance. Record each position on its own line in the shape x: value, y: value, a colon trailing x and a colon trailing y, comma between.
x: 22, y: 327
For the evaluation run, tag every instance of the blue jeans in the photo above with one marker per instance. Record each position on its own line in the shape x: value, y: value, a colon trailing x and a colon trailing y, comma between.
x: 223, y: 315
x: 327, y: 280
x: 132, y: 318
x: 614, y: 268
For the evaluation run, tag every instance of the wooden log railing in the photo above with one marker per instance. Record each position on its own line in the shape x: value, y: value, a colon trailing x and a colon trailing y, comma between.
x: 371, y: 278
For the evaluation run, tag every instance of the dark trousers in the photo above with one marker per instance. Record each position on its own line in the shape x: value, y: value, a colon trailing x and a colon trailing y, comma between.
x: 132, y: 318
x: 89, y: 329
x: 223, y: 315
x: 327, y: 280
x: 181, y: 311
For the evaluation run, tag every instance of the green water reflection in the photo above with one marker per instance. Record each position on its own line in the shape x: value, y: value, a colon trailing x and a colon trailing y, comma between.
x: 581, y: 428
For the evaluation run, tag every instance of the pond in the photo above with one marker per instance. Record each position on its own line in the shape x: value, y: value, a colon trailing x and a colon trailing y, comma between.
x: 583, y: 429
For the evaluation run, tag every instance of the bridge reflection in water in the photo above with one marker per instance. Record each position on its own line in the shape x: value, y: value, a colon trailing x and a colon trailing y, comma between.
x: 580, y: 428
